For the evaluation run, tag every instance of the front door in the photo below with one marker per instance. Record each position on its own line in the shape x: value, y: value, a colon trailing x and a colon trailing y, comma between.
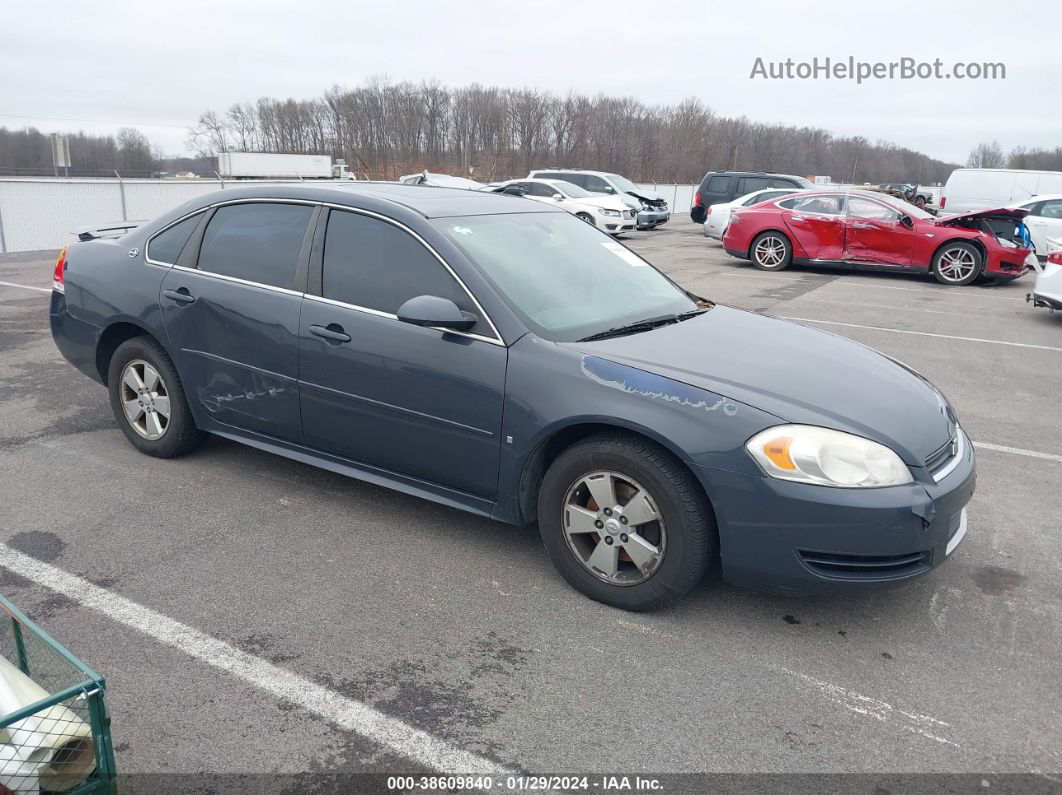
x: 416, y: 401
x: 233, y: 321
x: 874, y: 234
x: 1044, y: 223
x: 817, y: 225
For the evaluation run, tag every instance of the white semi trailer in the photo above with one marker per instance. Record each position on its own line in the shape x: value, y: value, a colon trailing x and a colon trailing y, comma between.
x: 261, y: 165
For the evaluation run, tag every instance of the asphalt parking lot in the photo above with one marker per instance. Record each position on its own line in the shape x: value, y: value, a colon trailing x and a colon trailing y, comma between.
x: 331, y: 595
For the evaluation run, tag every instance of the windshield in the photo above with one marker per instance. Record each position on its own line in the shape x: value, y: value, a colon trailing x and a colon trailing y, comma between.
x: 623, y: 183
x: 565, y: 279
x: 571, y: 190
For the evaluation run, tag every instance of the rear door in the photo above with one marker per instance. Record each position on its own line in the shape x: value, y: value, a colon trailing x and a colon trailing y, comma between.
x: 817, y: 225
x: 416, y: 401
x: 233, y: 316
x: 873, y: 233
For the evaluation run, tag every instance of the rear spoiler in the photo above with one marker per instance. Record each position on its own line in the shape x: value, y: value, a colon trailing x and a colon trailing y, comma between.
x: 97, y: 231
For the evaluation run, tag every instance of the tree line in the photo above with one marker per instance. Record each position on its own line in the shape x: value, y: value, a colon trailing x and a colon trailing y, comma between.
x: 990, y: 155
x: 384, y: 129
x: 28, y: 152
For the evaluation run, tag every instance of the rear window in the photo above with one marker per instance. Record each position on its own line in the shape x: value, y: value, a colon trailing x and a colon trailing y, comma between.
x: 167, y: 246
x: 257, y: 242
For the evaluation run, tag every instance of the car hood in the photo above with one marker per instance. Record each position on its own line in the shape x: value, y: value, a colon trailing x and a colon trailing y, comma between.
x: 610, y: 202
x: 798, y: 374
x: 646, y: 195
x: 1017, y: 213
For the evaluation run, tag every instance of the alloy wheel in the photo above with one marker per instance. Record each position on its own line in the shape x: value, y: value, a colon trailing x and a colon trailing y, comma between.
x: 770, y: 251
x: 614, y: 528
x: 956, y: 264
x: 145, y: 399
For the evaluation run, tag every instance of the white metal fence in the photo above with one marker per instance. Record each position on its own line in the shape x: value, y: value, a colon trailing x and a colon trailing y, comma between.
x: 42, y: 213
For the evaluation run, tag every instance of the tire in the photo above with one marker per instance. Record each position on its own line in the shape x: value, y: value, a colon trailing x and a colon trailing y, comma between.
x: 771, y: 251
x: 957, y: 263
x: 675, y: 548
x: 129, y: 373
x: 586, y: 217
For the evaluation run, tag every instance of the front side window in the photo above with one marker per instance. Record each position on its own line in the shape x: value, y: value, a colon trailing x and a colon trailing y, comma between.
x: 167, y: 246
x: 595, y: 184
x: 1051, y: 208
x: 570, y: 189
x: 374, y: 264
x: 540, y: 189
x: 623, y: 183
x: 562, y: 277
x: 258, y: 242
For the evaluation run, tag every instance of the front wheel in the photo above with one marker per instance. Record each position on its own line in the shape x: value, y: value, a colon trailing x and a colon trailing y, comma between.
x: 625, y: 523
x: 771, y: 251
x: 586, y: 217
x: 957, y: 264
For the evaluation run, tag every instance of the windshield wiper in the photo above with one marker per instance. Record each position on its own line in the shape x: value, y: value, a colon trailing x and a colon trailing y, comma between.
x: 643, y: 325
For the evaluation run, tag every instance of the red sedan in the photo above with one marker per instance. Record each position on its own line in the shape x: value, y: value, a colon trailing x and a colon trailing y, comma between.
x: 859, y: 229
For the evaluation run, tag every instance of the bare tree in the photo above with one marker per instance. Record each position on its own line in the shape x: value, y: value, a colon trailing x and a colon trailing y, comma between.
x: 986, y: 155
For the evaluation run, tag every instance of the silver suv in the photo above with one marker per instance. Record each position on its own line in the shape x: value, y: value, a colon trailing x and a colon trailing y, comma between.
x: 651, y: 208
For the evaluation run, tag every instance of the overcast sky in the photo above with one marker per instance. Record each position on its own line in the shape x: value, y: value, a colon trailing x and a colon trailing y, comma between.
x: 157, y: 65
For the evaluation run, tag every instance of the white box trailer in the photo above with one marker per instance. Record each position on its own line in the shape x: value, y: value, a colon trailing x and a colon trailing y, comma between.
x: 272, y: 166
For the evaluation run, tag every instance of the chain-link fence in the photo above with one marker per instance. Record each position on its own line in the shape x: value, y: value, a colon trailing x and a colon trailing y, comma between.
x: 42, y: 213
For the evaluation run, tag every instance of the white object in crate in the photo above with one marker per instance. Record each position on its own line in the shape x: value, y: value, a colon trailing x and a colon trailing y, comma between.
x: 51, y: 749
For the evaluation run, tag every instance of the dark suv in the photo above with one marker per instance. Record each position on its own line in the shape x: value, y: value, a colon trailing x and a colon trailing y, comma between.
x: 723, y: 186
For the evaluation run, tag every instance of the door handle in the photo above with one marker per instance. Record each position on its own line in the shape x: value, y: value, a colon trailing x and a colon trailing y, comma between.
x: 798, y: 218
x: 333, y: 332
x: 181, y: 296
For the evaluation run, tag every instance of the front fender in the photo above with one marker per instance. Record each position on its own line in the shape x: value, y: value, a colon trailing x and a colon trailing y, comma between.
x: 550, y: 388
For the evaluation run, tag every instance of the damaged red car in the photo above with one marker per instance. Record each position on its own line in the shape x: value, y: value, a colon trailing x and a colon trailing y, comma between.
x: 858, y: 229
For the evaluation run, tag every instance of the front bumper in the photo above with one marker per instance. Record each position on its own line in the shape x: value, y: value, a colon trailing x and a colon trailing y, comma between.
x: 802, y: 539
x: 650, y: 218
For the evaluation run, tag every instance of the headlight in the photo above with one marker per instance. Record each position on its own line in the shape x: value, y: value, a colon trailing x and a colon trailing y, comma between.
x: 604, y: 211
x: 808, y: 454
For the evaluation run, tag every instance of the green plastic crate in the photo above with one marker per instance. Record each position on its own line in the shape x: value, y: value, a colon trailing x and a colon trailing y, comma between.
x: 70, y: 712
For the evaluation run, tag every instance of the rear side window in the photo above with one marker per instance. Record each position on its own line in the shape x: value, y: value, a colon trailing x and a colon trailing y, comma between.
x: 820, y: 205
x: 595, y: 184
x: 764, y: 197
x: 718, y: 185
x: 783, y: 183
x: 258, y: 242
x: 749, y: 184
x: 1052, y: 208
x: 167, y: 246
x: 376, y: 265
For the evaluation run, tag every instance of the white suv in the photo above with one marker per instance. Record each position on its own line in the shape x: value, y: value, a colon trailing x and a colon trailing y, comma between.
x: 608, y: 213
x: 651, y: 208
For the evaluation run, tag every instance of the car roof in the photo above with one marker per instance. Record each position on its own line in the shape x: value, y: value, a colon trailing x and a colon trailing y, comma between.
x: 429, y: 201
x: 1039, y: 198
x: 571, y: 171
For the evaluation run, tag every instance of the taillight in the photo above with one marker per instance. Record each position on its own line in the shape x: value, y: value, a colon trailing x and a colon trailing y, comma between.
x: 57, y: 277
x: 943, y: 201
x: 1055, y: 257
x: 697, y: 199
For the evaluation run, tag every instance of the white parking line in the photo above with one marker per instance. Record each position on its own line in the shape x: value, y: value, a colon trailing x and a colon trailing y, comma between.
x: 346, y: 713
x: 1001, y: 448
x: 922, y: 333
x: 27, y: 287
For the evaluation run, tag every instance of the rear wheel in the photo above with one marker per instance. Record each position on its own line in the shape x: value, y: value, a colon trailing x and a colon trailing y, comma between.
x: 957, y: 263
x: 625, y: 523
x: 771, y: 251
x: 148, y: 402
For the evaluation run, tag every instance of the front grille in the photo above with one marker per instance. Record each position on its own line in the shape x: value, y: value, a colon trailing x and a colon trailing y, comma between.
x: 837, y: 565
x: 940, y: 455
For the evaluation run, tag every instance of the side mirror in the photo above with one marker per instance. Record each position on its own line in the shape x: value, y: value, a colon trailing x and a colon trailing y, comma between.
x: 905, y: 220
x: 558, y: 197
x: 609, y: 189
x: 430, y: 310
